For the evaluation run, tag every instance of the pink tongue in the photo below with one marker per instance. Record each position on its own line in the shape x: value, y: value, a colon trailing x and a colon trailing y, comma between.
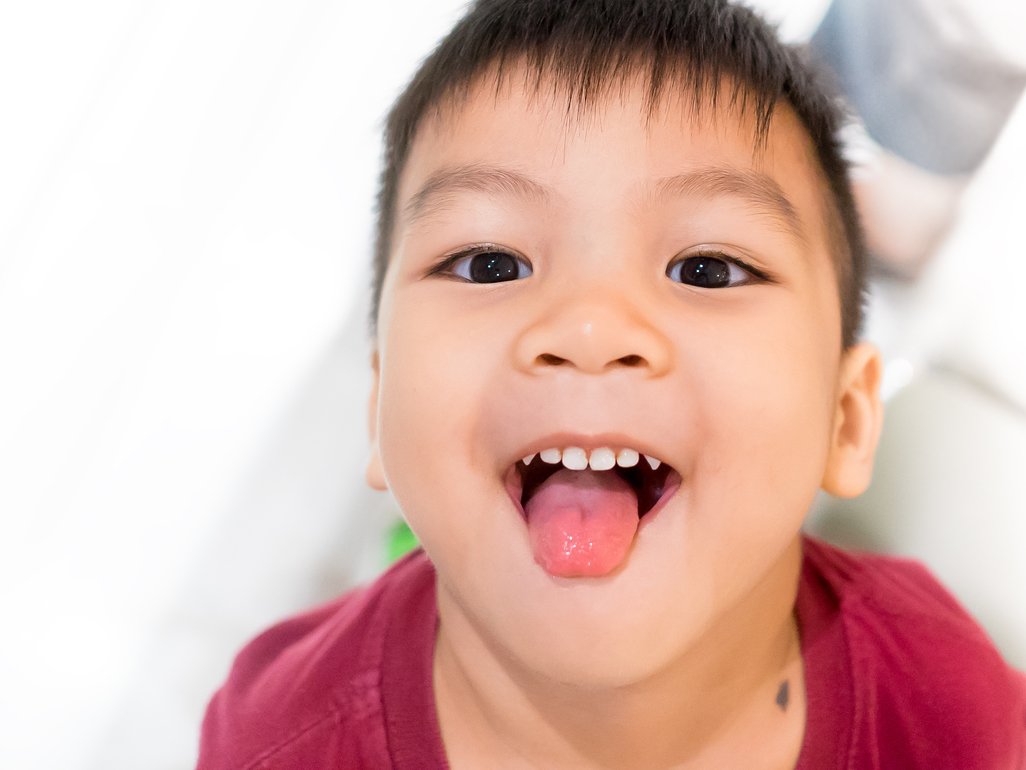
x: 581, y: 523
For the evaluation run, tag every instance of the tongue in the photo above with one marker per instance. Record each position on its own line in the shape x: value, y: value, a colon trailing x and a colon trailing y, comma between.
x: 581, y: 523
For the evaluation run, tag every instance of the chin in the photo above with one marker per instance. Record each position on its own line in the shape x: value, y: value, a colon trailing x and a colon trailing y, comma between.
x: 591, y: 633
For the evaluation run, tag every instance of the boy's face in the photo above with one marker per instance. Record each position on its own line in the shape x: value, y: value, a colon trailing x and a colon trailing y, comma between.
x: 601, y: 339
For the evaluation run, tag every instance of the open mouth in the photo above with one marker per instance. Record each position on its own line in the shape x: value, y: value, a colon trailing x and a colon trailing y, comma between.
x: 583, y: 508
x: 647, y: 476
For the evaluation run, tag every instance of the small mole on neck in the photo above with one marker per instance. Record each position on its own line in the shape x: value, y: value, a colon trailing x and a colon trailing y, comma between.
x: 784, y: 695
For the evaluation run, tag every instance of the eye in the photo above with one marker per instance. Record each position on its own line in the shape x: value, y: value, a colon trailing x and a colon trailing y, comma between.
x: 489, y: 266
x: 708, y: 272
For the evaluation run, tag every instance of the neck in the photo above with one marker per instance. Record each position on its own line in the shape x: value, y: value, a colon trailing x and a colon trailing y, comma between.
x: 716, y: 704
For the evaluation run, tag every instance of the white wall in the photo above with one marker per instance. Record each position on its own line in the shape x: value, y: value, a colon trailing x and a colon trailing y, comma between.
x: 185, y: 218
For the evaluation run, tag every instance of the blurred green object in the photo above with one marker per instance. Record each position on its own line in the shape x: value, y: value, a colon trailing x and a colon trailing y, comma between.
x: 401, y: 541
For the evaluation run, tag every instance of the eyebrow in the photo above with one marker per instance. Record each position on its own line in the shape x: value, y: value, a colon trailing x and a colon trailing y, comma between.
x: 442, y: 187
x: 757, y: 188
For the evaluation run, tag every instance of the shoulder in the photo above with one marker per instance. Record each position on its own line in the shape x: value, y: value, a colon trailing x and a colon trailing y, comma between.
x: 306, y: 692
x: 888, y: 587
x: 928, y: 681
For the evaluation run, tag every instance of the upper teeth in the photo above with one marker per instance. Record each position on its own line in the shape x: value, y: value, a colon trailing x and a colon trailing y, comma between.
x: 601, y: 459
x: 575, y: 458
x: 627, y: 458
x: 551, y: 456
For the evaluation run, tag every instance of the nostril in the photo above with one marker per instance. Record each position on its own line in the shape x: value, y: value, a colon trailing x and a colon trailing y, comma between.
x: 631, y: 360
x: 547, y: 359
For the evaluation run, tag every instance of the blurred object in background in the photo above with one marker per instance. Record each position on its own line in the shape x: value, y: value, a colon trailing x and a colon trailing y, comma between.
x: 939, y: 86
x: 934, y: 82
x: 906, y: 210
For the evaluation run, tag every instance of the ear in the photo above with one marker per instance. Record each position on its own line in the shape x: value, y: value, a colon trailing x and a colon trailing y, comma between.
x: 857, y: 421
x: 375, y: 471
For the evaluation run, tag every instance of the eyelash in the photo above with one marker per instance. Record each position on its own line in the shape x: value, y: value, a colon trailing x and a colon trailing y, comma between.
x: 446, y: 265
x: 754, y: 274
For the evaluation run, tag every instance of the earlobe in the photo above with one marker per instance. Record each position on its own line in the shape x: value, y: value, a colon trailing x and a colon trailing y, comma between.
x: 375, y: 473
x: 858, y: 418
x: 375, y: 470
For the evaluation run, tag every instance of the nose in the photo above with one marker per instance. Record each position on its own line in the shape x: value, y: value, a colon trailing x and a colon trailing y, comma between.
x: 594, y: 337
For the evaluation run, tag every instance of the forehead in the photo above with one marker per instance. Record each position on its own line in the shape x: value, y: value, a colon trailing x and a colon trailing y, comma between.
x: 526, y: 141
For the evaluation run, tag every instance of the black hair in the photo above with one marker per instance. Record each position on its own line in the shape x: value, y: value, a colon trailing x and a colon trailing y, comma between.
x: 586, y: 48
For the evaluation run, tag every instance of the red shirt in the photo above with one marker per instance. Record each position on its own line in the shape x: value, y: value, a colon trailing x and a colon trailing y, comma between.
x: 897, y: 676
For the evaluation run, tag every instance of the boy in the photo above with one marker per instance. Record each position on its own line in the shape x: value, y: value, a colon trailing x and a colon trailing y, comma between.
x: 619, y: 281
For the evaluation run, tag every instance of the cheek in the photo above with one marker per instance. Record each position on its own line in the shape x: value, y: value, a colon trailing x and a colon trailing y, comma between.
x: 766, y: 401
x: 433, y: 383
